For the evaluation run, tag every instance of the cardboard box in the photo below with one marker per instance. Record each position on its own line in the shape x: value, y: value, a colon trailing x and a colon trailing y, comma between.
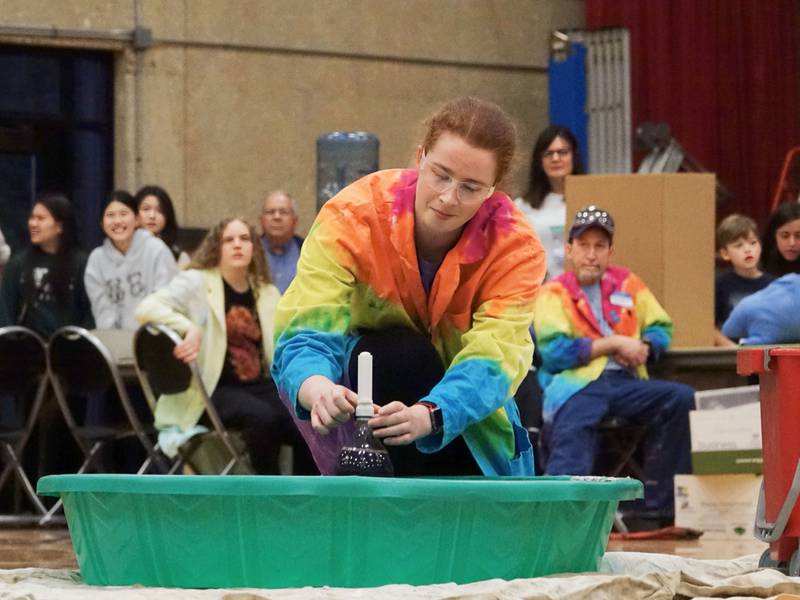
x: 726, y: 440
x: 726, y: 397
x: 665, y: 234
x: 722, y: 506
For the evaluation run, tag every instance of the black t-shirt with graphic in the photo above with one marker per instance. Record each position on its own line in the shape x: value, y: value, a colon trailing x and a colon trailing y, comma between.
x: 244, y: 357
x: 28, y: 297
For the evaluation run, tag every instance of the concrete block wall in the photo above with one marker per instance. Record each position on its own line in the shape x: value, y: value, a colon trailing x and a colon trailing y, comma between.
x: 229, y: 100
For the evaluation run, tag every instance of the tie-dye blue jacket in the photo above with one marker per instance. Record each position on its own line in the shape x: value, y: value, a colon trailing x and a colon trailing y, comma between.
x: 565, y: 327
x: 358, y: 270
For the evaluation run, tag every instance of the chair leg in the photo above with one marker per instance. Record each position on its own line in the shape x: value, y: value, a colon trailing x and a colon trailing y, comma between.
x: 90, y: 457
x: 229, y: 466
x: 86, y: 463
x: 145, y: 465
x: 48, y: 516
x: 6, y: 472
x: 619, y: 523
x: 23, y: 478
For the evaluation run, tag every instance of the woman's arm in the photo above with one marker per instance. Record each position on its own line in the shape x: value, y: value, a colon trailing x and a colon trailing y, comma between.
x: 496, y: 352
x: 172, y: 305
x: 312, y: 325
x: 5, y: 250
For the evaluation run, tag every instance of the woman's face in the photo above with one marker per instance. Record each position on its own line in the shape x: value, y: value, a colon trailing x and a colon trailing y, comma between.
x: 455, y: 179
x: 119, y: 224
x: 150, y: 215
x: 44, y: 229
x: 787, y: 238
x: 236, y: 250
x: 557, y: 159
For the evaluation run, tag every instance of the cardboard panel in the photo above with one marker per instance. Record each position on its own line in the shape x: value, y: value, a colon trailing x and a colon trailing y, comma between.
x: 665, y: 234
x: 688, y: 256
x: 637, y: 246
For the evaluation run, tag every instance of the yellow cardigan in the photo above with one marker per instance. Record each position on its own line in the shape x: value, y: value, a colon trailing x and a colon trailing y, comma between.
x: 197, y: 296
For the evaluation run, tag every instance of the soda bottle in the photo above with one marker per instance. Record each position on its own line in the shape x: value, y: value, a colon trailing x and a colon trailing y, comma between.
x: 365, y: 454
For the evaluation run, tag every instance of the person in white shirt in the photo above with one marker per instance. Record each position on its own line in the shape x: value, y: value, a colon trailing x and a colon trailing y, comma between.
x: 555, y: 155
x: 130, y: 264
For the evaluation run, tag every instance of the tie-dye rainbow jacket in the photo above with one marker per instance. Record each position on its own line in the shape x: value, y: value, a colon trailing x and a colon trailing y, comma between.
x: 565, y: 327
x: 358, y: 270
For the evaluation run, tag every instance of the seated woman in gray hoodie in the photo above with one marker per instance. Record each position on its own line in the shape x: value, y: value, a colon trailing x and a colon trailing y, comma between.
x: 130, y: 264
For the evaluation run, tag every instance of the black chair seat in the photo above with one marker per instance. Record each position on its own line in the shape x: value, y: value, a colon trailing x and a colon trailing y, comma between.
x: 161, y: 373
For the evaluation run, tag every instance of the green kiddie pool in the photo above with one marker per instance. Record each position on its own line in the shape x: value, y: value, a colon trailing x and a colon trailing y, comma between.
x: 275, y: 532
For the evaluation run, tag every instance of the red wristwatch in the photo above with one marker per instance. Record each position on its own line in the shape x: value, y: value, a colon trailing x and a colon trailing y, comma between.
x: 437, y: 420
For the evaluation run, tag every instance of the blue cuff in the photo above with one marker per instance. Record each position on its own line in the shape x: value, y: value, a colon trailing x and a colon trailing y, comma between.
x: 584, y: 350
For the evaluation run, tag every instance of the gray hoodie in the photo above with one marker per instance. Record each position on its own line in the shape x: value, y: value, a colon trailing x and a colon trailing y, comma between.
x: 116, y: 282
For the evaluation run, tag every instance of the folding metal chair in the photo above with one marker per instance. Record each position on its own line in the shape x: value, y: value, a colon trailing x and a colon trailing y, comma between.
x: 81, y: 366
x: 620, y: 441
x: 161, y: 373
x: 23, y: 366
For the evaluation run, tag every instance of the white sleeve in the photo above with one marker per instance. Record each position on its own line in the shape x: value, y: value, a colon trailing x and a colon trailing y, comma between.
x: 5, y: 250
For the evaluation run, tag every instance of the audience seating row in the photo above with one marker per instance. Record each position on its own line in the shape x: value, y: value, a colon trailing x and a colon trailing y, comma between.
x: 94, y: 399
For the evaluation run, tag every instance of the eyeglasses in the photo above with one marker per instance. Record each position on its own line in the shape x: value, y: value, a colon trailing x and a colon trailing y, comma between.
x: 467, y: 192
x: 560, y: 153
x: 275, y: 212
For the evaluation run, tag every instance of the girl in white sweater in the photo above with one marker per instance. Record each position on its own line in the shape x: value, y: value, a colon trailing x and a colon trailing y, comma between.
x: 130, y: 264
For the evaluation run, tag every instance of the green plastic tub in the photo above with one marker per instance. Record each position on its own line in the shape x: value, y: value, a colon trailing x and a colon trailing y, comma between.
x: 275, y: 532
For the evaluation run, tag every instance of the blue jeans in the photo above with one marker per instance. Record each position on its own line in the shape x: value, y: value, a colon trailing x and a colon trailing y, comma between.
x: 663, y: 406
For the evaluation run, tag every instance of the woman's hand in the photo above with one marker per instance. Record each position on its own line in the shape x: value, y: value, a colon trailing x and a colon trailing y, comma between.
x: 189, y: 348
x: 397, y: 424
x: 330, y: 404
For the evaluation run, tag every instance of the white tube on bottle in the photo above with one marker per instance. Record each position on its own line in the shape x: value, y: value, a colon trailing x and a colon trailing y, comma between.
x: 364, y: 407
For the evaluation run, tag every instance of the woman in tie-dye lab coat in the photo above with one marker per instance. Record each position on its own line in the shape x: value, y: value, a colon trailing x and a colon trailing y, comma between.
x: 434, y: 272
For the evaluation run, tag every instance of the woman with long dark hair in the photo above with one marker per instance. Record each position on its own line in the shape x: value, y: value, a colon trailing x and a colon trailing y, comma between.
x: 43, y: 285
x: 781, y: 240
x: 555, y: 155
x: 156, y: 213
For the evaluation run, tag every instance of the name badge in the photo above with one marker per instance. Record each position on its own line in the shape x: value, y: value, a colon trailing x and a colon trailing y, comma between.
x: 622, y: 299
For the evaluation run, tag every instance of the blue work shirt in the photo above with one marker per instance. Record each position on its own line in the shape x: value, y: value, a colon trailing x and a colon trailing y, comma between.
x: 283, y: 265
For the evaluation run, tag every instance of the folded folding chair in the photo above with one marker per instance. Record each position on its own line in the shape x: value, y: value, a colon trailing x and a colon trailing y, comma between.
x: 619, y: 444
x: 161, y: 373
x: 80, y: 367
x: 23, y: 368
x: 619, y: 441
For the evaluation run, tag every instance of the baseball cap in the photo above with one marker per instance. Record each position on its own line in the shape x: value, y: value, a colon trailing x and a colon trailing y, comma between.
x: 592, y: 216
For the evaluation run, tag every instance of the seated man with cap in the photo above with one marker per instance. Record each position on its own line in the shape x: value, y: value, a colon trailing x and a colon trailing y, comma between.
x: 598, y: 325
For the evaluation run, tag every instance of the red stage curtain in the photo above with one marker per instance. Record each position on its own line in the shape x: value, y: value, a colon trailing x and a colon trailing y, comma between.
x: 724, y: 75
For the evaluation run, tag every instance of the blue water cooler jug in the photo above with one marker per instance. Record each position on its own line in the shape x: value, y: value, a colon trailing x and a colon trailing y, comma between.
x: 343, y: 157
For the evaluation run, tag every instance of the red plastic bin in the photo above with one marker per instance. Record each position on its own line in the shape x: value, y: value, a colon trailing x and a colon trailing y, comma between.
x: 778, y: 516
